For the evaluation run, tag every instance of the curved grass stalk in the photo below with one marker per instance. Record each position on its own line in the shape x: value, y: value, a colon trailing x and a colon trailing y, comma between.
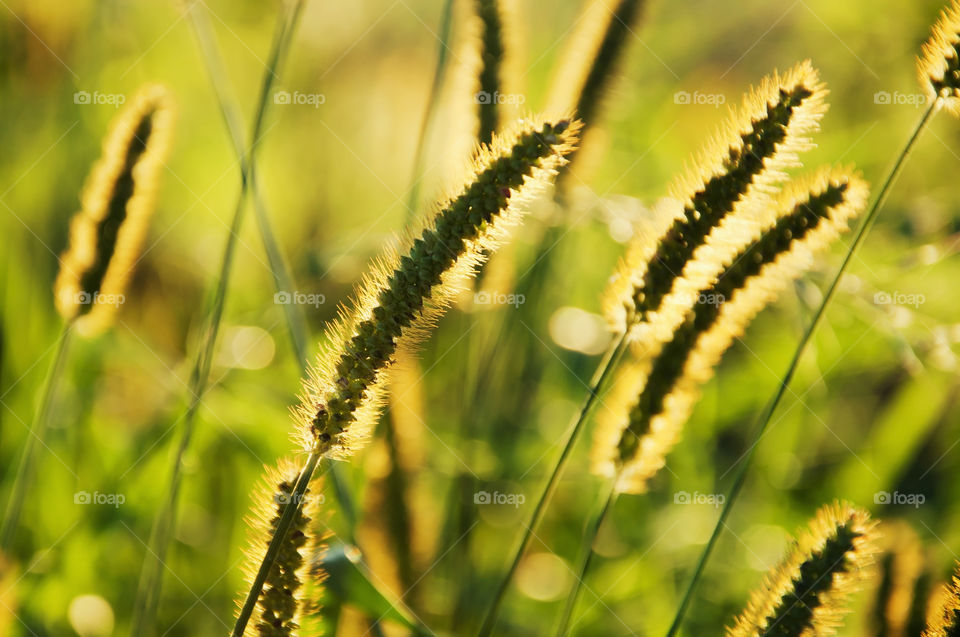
x: 760, y: 430
x: 37, y: 433
x: 604, y: 370
x: 151, y: 577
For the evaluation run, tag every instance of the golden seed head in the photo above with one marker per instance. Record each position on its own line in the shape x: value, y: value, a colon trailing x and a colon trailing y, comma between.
x: 290, y: 593
x: 107, y: 234
x: 730, y: 183
x: 938, y: 66
x: 653, y: 397
x: 403, y: 295
x: 806, y: 595
x: 946, y: 618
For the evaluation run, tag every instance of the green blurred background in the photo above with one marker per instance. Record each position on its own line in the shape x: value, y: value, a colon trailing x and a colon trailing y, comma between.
x: 871, y: 410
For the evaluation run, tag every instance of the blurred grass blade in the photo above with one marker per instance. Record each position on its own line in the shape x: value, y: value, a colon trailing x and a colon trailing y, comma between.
x: 151, y: 577
x: 586, y: 555
x: 741, y: 476
x: 34, y: 437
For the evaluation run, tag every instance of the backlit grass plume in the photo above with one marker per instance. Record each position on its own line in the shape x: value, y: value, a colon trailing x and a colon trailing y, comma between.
x: 939, y: 64
x: 730, y: 183
x: 946, y: 618
x: 289, y: 595
x: 590, y: 63
x: 652, y: 399
x: 107, y: 234
x: 403, y: 294
x: 491, y: 60
x: 805, y: 595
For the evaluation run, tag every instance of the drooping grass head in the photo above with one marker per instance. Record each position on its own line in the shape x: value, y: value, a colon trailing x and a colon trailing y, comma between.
x: 405, y: 292
x: 107, y: 235
x: 805, y: 596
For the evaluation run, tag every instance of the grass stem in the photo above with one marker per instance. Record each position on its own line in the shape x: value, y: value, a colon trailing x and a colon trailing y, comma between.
x: 586, y: 556
x: 609, y: 362
x: 36, y: 436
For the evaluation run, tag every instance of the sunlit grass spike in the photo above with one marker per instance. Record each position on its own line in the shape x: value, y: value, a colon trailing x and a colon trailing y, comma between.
x: 806, y: 595
x: 107, y: 234
x: 491, y: 61
x: 732, y: 179
x: 652, y: 399
x: 946, y: 619
x: 282, y: 604
x: 938, y: 66
x: 403, y: 295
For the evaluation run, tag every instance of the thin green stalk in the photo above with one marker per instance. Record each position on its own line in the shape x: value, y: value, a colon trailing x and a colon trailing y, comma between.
x: 761, y: 429
x: 609, y: 362
x: 446, y: 19
x: 151, y: 577
x: 586, y: 556
x: 279, y: 270
x: 41, y: 418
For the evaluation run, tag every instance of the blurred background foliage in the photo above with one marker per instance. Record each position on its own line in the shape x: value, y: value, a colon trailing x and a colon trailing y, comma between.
x: 484, y: 407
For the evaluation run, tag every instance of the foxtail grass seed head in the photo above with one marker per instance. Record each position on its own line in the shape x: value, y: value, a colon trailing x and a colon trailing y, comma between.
x: 398, y: 301
x: 805, y: 596
x: 107, y: 235
x: 491, y: 60
x: 734, y: 177
x: 282, y: 603
x: 938, y: 66
x: 946, y: 618
x: 644, y: 415
x: 590, y: 63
